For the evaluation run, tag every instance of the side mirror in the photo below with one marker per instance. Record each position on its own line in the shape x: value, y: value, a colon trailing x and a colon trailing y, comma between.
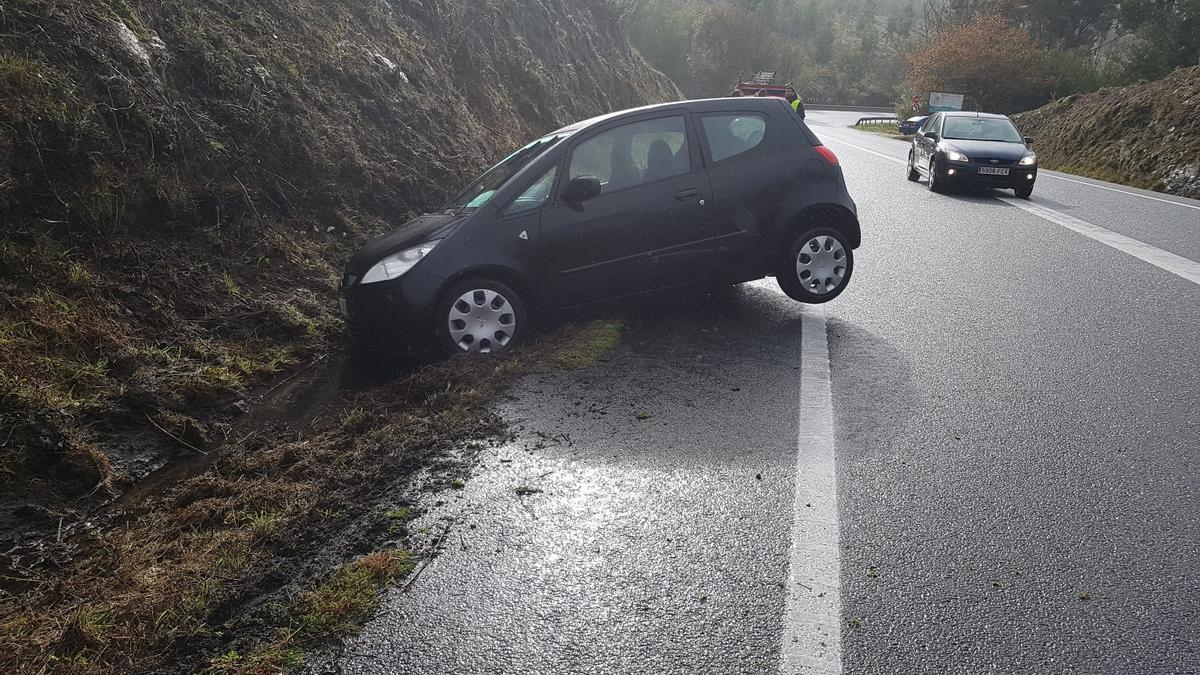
x: 932, y: 135
x: 1029, y: 140
x: 581, y: 189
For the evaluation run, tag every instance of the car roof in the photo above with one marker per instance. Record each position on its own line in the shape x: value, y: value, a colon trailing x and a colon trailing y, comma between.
x: 969, y: 113
x: 740, y: 103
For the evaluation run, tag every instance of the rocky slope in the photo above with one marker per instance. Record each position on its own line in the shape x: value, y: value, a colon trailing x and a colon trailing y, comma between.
x: 1145, y: 135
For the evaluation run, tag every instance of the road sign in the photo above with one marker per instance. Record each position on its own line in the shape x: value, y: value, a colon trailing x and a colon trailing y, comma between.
x: 945, y: 102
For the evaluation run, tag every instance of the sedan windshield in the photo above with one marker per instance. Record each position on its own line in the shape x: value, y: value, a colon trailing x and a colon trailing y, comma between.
x: 981, y: 129
x: 481, y: 191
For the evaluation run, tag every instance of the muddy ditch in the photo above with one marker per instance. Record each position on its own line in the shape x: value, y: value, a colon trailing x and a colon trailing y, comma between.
x: 275, y: 543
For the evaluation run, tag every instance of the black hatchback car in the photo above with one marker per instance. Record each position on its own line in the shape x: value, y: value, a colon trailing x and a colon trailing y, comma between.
x: 972, y: 149
x: 618, y: 207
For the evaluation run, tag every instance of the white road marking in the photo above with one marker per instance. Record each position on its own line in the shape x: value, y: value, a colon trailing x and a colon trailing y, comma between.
x: 889, y: 158
x: 812, y: 615
x: 1124, y: 192
x: 1175, y: 264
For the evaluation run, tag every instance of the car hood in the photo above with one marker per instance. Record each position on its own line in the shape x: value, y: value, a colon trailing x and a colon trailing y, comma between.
x: 990, y: 149
x: 413, y: 233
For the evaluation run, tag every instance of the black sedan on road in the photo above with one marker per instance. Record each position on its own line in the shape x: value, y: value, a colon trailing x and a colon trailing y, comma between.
x: 673, y: 196
x: 971, y: 149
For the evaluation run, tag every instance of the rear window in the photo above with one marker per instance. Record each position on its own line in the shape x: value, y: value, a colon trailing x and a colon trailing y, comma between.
x: 733, y: 134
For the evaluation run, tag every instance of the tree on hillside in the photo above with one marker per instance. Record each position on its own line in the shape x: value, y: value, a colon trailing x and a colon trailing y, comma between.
x: 1010, y: 75
x: 726, y: 41
x: 1168, y: 32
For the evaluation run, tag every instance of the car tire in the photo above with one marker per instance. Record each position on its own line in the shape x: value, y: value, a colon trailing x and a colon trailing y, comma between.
x: 913, y: 174
x: 935, y: 185
x: 1023, y: 192
x: 818, y: 266
x: 480, y: 316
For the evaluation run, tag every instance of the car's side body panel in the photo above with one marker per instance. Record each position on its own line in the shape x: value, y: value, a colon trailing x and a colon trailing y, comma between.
x: 710, y: 219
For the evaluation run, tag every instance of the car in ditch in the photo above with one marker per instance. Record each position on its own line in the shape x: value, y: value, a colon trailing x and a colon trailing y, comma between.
x: 972, y: 149
x: 626, y: 206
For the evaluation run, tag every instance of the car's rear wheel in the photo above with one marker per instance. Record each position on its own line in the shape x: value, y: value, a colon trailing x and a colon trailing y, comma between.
x: 818, y: 266
x: 480, y: 316
x: 1024, y: 192
x: 935, y: 185
x: 913, y: 174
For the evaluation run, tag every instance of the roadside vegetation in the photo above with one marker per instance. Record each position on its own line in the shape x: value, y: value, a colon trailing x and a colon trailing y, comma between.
x: 1145, y: 135
x: 889, y: 130
x: 239, y: 567
x: 1005, y: 56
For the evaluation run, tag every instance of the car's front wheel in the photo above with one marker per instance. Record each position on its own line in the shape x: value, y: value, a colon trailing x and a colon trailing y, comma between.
x: 1024, y: 192
x: 818, y: 266
x: 935, y: 184
x: 480, y: 316
x: 913, y: 174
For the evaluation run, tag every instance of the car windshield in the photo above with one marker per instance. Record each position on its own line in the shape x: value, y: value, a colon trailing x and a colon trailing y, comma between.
x: 981, y: 129
x: 481, y: 191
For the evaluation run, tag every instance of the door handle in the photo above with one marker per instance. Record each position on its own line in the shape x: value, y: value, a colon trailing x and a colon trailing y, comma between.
x: 684, y: 195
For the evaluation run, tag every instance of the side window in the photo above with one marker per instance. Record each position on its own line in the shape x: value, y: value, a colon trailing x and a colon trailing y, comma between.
x: 634, y: 154
x: 535, y: 195
x: 731, y: 135
x: 929, y: 124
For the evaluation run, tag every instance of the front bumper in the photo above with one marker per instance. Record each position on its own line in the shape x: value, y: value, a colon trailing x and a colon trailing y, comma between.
x: 397, y: 313
x: 967, y: 173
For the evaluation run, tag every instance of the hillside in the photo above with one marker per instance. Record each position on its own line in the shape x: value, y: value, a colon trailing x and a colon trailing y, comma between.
x: 180, y: 184
x: 1145, y: 135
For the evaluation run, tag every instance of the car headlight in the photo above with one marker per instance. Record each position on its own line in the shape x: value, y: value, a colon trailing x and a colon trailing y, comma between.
x: 397, y: 265
x: 955, y: 156
x: 1029, y: 160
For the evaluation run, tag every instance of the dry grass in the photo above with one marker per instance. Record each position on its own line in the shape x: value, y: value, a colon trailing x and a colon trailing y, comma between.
x: 162, y: 581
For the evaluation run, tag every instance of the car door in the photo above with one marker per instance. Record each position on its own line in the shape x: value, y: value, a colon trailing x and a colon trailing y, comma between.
x: 924, y: 144
x: 752, y: 164
x: 646, y: 230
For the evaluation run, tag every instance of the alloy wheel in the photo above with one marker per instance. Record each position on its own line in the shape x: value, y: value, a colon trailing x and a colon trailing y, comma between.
x: 482, y: 321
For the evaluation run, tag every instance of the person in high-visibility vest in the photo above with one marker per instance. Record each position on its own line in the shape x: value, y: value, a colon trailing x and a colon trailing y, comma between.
x: 797, y: 104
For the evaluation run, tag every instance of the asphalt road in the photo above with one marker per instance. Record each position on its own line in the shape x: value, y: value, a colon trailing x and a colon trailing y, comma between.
x: 1015, y: 426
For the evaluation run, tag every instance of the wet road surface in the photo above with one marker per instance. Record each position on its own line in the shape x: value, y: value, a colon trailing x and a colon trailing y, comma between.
x: 1014, y: 413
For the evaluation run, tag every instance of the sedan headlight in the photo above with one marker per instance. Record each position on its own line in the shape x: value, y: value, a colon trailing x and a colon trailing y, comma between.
x: 1029, y: 160
x: 398, y: 264
x: 955, y: 156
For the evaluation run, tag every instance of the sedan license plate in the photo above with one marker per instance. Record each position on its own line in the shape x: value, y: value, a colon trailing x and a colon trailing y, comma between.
x: 993, y: 171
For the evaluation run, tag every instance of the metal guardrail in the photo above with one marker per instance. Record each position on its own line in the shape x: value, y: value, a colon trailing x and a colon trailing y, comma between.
x: 851, y: 108
x: 875, y: 120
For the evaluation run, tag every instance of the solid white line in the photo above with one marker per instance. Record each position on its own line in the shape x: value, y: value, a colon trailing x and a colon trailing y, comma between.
x: 1124, y: 192
x: 889, y: 158
x: 812, y: 615
x: 1175, y: 264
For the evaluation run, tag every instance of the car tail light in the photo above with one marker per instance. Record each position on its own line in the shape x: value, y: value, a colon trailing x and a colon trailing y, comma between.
x: 828, y: 155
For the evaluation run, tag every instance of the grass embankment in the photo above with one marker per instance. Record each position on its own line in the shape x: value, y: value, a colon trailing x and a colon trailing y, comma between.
x: 1145, y: 135
x: 180, y: 184
x: 889, y: 130
x: 229, y: 569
